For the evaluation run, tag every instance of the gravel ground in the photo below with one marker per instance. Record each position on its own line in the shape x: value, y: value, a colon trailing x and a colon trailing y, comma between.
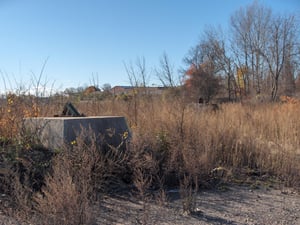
x: 237, y: 205
x: 234, y: 205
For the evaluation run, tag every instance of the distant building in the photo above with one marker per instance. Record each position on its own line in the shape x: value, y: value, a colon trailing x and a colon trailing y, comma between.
x: 155, y: 90
x: 117, y: 90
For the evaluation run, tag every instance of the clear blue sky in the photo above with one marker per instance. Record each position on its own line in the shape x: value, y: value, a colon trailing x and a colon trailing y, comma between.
x: 93, y: 38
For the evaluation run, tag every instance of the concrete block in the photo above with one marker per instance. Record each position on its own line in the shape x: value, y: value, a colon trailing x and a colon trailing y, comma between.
x: 55, y: 132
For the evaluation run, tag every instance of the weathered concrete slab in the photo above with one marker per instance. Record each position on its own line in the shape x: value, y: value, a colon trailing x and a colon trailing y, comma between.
x: 55, y: 132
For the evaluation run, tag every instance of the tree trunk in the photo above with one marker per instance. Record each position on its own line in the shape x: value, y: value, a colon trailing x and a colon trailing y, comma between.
x: 274, y: 88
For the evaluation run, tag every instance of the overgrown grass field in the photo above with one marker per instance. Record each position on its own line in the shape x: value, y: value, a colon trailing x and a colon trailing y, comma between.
x: 173, y: 143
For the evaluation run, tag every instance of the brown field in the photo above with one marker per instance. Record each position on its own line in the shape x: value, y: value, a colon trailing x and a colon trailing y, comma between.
x: 174, y: 145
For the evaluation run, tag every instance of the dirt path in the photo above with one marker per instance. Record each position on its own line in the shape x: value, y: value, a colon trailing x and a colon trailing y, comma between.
x: 238, y: 205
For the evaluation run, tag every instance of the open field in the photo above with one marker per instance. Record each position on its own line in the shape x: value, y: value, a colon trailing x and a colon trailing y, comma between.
x: 204, y: 154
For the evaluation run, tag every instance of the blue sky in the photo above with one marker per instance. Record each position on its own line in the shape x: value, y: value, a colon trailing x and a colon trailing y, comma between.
x: 87, y: 39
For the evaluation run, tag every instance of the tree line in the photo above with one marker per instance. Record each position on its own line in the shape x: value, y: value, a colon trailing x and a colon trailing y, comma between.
x: 259, y: 55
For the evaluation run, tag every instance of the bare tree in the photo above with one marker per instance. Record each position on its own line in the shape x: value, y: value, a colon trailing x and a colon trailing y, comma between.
x: 207, y: 62
x: 144, y: 75
x: 165, y: 72
x: 289, y: 77
x: 266, y: 45
x: 138, y: 78
x: 217, y: 52
x: 281, y: 48
x: 132, y: 76
x: 249, y: 29
x: 137, y: 73
x: 94, y: 81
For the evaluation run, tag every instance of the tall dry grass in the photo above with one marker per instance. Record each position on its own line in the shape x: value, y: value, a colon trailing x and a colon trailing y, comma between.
x: 173, y: 144
x: 80, y: 174
x: 186, y: 139
x: 186, y: 146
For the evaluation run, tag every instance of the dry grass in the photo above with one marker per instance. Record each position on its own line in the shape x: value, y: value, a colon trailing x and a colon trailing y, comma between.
x: 185, y: 141
x: 173, y: 143
x: 80, y: 173
x: 63, y: 200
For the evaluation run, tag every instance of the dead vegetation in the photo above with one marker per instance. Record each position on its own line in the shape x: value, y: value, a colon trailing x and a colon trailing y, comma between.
x: 173, y: 145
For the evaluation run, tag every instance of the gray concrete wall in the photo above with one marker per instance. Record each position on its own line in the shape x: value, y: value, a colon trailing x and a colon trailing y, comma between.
x: 54, y: 132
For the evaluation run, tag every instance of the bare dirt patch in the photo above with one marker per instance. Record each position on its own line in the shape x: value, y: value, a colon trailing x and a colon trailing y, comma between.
x: 233, y: 205
x: 236, y: 205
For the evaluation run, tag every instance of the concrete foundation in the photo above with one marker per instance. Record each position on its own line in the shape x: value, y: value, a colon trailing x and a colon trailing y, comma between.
x: 56, y: 132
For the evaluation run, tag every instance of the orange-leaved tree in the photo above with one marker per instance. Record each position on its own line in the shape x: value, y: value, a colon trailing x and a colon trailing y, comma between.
x: 201, y: 81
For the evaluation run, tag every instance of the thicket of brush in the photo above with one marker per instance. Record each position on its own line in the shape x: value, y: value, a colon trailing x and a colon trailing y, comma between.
x: 173, y: 144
